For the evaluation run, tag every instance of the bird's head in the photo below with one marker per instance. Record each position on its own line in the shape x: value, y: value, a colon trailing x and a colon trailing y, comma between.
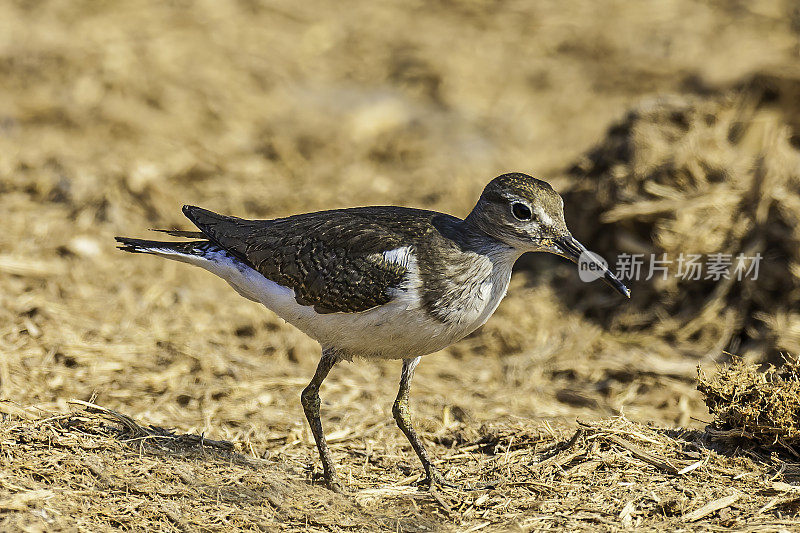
x: 528, y: 215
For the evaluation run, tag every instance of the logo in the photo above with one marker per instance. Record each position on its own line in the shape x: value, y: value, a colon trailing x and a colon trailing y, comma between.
x: 591, y: 266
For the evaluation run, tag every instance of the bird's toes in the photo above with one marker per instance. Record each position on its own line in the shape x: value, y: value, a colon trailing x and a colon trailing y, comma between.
x: 336, y: 487
x: 481, y: 486
x: 332, y: 483
x: 437, y: 480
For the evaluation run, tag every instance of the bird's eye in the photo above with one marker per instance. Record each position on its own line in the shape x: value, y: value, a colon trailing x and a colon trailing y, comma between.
x: 521, y: 211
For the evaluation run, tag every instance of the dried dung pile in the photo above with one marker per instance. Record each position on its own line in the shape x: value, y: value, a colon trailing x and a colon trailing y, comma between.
x: 763, y: 406
x: 700, y: 175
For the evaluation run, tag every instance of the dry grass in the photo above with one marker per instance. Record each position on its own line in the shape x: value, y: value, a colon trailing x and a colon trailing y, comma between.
x: 95, y: 468
x: 759, y: 405
x: 702, y: 175
x: 114, y: 114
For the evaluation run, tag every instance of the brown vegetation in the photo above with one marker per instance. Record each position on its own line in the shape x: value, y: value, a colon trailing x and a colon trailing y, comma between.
x: 703, y: 175
x: 100, y: 470
x: 749, y: 403
x: 114, y: 114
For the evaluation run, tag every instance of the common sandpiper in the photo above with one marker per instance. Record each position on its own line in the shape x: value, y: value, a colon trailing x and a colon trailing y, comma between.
x: 381, y: 282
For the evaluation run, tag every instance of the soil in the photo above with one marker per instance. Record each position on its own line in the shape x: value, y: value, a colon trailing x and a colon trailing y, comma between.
x: 138, y: 393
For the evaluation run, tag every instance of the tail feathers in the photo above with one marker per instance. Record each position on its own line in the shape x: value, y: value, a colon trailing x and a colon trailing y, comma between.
x: 182, y: 233
x: 191, y: 248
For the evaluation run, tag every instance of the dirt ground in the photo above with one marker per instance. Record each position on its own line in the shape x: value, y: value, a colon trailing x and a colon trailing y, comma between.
x: 115, y: 114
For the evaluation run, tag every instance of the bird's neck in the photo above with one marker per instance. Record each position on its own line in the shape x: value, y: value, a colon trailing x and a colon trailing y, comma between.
x: 476, y: 222
x: 476, y: 237
x: 472, y: 279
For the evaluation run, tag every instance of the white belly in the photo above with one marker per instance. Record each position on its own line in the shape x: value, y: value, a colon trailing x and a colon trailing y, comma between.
x: 399, y: 329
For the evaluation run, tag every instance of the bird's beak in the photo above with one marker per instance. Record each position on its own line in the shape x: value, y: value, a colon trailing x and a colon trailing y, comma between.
x: 592, y: 266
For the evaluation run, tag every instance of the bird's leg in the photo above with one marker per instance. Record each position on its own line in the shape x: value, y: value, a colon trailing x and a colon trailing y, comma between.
x: 310, y: 400
x: 402, y: 416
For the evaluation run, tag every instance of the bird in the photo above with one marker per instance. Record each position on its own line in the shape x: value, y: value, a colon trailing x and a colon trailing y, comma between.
x: 381, y: 282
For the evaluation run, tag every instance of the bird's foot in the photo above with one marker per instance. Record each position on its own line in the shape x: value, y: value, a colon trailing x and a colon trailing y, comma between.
x: 331, y: 482
x: 483, y: 486
x: 436, y: 480
x: 335, y: 486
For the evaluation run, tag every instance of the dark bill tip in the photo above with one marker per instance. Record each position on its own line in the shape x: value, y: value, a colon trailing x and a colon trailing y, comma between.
x: 614, y: 282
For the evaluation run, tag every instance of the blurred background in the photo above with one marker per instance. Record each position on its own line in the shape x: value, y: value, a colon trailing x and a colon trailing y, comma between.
x: 668, y: 126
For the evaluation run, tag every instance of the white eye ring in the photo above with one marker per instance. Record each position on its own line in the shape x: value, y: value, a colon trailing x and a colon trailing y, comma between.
x: 521, y: 211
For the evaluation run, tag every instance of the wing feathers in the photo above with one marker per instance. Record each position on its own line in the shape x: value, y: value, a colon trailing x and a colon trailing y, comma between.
x: 181, y: 233
x: 332, y: 259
